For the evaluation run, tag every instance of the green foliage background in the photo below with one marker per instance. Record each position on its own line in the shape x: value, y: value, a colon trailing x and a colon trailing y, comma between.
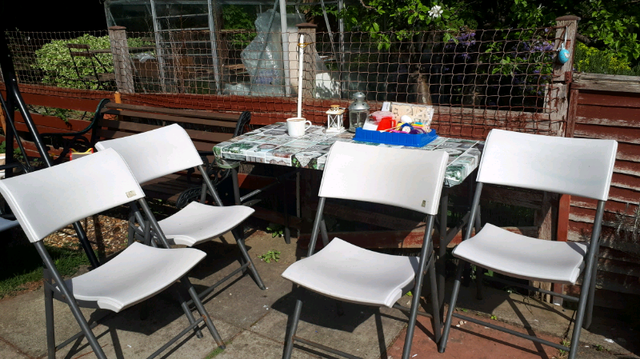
x: 610, y: 26
x: 593, y: 60
x: 59, y: 70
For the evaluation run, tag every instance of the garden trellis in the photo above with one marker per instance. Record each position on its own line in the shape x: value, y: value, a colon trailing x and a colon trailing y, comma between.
x: 474, y: 78
x: 169, y: 19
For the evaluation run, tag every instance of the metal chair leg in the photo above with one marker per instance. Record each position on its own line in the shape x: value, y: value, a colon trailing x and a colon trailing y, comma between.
x: 48, y: 310
x: 288, y: 343
x: 187, y: 312
x: 452, y: 305
x: 591, y: 299
x: 415, y: 304
x: 131, y: 232
x: 582, y: 309
x: 73, y: 306
x: 285, y: 200
x: 435, y: 304
x: 251, y: 266
x: 203, y: 312
x: 479, y: 284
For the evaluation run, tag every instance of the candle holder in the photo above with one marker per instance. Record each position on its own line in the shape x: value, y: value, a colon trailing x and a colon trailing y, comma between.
x: 358, y: 112
x: 334, y: 119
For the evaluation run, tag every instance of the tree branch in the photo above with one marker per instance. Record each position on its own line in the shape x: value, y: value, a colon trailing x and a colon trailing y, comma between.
x: 584, y: 39
x: 366, y: 6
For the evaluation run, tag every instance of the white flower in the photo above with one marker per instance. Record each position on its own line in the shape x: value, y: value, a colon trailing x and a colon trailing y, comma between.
x: 435, y: 11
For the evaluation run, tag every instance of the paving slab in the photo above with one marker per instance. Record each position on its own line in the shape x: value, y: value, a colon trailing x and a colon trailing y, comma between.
x: 136, y: 332
x: 250, y: 345
x: 469, y: 340
x: 361, y: 331
x: 607, y: 330
x: 8, y: 351
x: 240, y: 300
x: 253, y: 321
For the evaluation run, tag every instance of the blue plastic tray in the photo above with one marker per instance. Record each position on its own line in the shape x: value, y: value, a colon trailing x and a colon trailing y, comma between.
x: 390, y: 138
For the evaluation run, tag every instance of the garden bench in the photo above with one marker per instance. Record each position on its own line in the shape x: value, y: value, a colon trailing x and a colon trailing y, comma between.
x: 205, y: 129
x: 115, y: 120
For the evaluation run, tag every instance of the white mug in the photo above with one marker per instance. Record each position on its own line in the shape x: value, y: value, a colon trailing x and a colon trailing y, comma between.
x: 297, y: 126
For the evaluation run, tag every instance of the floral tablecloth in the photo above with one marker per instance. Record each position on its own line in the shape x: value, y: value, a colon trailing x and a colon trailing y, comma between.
x: 271, y: 144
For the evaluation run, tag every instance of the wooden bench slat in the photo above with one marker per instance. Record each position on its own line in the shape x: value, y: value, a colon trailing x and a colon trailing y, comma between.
x: 214, y: 137
x: 172, y: 111
x: 205, y: 129
x: 172, y: 119
x: 126, y: 126
x: 110, y: 128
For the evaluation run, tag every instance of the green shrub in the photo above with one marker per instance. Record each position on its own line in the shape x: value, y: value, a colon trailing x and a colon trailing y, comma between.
x: 58, y: 67
x: 592, y: 60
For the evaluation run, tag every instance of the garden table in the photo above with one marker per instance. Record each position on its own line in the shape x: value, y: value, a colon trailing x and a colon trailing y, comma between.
x: 272, y: 145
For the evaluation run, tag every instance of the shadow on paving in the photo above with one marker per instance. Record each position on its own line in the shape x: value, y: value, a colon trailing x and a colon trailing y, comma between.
x: 609, y: 330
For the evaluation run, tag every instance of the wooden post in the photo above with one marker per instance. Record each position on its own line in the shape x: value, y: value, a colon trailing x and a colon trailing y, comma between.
x: 558, y: 94
x: 565, y: 26
x: 121, y: 59
x: 564, y: 207
x: 550, y: 219
x: 310, y: 55
x: 545, y: 220
x: 572, y: 112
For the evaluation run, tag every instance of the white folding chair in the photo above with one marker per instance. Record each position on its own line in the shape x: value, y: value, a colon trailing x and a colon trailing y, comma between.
x: 410, y: 179
x: 167, y: 150
x: 43, y: 202
x: 580, y: 167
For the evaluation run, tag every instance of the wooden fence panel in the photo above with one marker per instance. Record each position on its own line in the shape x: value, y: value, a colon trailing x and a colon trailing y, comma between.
x: 607, y: 107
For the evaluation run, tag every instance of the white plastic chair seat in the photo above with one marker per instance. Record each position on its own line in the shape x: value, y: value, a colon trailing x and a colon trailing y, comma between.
x: 523, y: 257
x: 110, y: 286
x: 199, y: 222
x: 347, y: 272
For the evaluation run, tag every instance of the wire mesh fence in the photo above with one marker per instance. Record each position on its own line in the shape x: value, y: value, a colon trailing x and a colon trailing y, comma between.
x: 474, y: 76
x: 62, y: 59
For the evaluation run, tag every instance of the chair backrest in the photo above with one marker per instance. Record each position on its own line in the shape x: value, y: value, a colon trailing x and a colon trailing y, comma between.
x: 574, y: 166
x: 49, y: 199
x: 406, y: 178
x: 156, y: 153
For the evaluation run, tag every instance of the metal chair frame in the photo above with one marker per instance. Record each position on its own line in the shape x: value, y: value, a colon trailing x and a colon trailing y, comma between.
x: 585, y: 300
x: 426, y: 264
x: 38, y: 223
x: 139, y: 229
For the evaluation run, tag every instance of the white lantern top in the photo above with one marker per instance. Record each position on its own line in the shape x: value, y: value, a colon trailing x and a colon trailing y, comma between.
x: 335, y: 110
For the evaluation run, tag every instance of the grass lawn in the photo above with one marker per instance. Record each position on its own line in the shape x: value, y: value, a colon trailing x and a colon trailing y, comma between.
x: 21, y: 265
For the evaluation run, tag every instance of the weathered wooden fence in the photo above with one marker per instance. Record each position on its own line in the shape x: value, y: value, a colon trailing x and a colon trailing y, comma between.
x: 608, y: 107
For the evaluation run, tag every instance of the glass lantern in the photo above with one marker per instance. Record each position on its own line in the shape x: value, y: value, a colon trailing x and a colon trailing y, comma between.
x: 334, y: 119
x: 358, y: 112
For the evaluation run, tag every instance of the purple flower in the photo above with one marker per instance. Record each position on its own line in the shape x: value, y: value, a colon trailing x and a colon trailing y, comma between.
x: 542, y: 47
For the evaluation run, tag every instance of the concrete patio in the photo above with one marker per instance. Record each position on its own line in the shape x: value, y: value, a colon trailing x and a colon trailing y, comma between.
x: 252, y: 322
